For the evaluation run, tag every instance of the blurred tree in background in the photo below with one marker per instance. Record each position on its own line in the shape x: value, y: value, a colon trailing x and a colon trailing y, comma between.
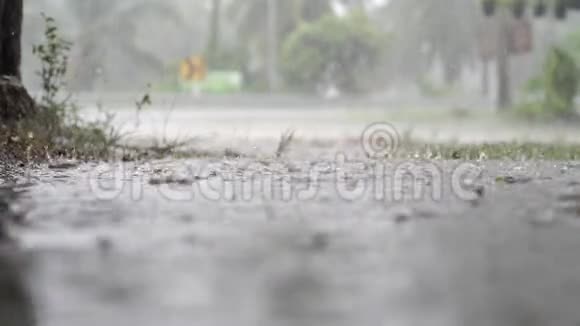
x: 250, y: 20
x: 334, y: 51
x: 118, y: 47
x: 571, y: 45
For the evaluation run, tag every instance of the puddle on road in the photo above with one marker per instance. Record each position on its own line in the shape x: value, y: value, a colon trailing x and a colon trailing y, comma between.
x: 16, y: 302
x: 149, y: 260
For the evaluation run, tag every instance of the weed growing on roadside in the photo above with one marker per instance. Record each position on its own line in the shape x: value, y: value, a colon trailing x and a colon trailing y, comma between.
x: 56, y: 129
x: 54, y: 57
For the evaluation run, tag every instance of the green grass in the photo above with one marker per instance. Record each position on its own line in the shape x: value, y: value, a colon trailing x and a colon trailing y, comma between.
x: 55, y: 132
x: 490, y: 151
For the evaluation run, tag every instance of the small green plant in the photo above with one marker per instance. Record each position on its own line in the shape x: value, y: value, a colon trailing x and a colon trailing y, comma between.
x: 57, y: 129
x: 54, y: 57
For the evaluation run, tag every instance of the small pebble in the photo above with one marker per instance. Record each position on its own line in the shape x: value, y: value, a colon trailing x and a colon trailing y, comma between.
x: 320, y: 241
x: 510, y: 179
x: 105, y: 244
x: 156, y: 181
x: 63, y: 164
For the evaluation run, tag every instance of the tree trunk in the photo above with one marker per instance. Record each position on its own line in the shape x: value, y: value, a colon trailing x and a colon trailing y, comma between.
x: 504, y: 99
x: 15, y: 102
x: 10, y: 32
x: 213, y: 46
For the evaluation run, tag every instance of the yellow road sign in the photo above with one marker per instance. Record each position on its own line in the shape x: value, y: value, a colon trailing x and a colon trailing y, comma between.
x: 193, y: 69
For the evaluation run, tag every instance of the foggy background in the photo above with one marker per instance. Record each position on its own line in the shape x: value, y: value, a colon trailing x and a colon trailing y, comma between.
x: 423, y: 48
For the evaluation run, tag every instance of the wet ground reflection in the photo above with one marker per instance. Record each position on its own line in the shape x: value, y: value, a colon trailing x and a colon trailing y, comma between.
x: 16, y: 304
x: 322, y: 262
x: 16, y: 307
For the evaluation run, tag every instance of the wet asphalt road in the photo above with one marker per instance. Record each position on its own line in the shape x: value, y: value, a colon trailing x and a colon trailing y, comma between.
x: 308, y: 239
x: 153, y: 254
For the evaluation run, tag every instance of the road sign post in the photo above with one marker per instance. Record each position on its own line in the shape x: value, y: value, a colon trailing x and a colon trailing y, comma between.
x: 193, y: 69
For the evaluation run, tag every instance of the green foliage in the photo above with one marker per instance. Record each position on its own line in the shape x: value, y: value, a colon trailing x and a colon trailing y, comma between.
x: 53, y: 56
x: 558, y: 86
x: 571, y: 45
x: 338, y: 50
x: 561, y: 82
x: 248, y: 20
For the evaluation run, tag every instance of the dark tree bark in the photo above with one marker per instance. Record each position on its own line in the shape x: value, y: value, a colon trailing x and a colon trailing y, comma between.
x: 16, y: 306
x: 10, y: 34
x: 15, y: 102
